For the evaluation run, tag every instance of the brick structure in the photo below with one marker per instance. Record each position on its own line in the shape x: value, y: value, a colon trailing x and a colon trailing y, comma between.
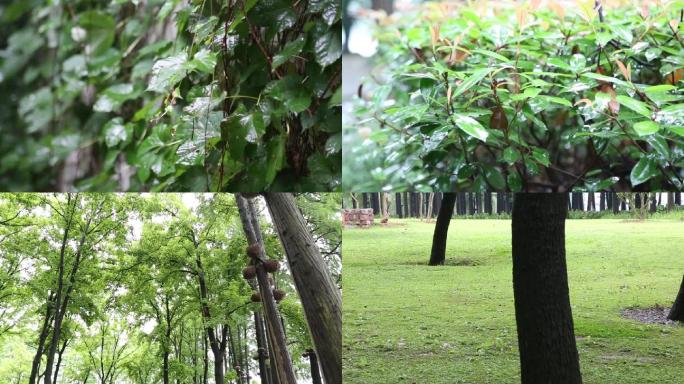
x: 358, y: 217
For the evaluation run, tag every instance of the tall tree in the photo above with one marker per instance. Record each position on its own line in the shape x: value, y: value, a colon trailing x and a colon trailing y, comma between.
x: 274, y: 327
x: 546, y: 339
x: 320, y: 297
x: 439, y: 237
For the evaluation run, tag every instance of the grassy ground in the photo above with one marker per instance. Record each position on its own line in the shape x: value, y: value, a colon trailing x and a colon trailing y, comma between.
x: 405, y: 322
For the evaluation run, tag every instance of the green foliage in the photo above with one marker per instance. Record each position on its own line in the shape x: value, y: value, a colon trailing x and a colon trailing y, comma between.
x: 136, y: 293
x: 523, y: 99
x: 167, y: 95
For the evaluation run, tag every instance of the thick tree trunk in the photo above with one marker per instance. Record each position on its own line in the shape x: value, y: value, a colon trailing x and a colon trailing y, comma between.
x: 546, y: 339
x: 602, y: 201
x: 488, y: 203
x: 439, y: 238
x: 274, y: 328
x: 677, y: 311
x: 321, y: 300
x: 678, y: 198
x: 397, y: 204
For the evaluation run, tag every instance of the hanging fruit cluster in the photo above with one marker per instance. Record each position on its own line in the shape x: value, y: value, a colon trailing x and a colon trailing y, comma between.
x: 270, y: 266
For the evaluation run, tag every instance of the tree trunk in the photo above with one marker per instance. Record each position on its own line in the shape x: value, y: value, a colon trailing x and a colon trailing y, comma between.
x: 262, y: 352
x: 274, y: 328
x: 60, y: 354
x: 42, y: 338
x: 407, y: 214
x: 313, y: 361
x: 439, y: 238
x: 321, y: 300
x: 546, y: 339
x: 61, y: 307
x: 591, y: 202
x: 602, y: 201
x: 397, y: 205
x: 678, y: 198
x: 488, y: 203
x: 677, y: 311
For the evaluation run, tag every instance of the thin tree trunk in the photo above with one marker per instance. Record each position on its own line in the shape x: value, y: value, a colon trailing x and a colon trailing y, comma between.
x: 317, y: 290
x: 60, y: 354
x: 546, y: 339
x: 274, y: 328
x: 439, y: 238
x: 63, y: 305
x: 677, y: 311
x: 42, y: 338
x: 261, y: 348
x: 313, y: 361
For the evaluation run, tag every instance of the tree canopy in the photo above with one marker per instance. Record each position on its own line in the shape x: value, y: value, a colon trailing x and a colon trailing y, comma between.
x: 141, y: 289
x: 521, y: 97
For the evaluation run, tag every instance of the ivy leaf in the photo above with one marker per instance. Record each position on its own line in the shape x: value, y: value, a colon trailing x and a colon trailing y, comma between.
x: 328, y: 47
x: 291, y: 92
x: 204, y: 61
x: 115, y: 132
x: 113, y: 97
x: 470, y: 126
x: 168, y: 72
x: 645, y: 128
x: 289, y: 50
x: 100, y: 28
x: 635, y: 105
x: 644, y: 170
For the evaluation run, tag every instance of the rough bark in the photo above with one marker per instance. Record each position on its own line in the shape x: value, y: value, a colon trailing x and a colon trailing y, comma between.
x: 677, y: 311
x: 274, y: 329
x: 439, y: 238
x: 321, y: 300
x: 546, y: 340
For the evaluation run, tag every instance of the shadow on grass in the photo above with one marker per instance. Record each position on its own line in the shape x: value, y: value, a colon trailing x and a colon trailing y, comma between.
x: 450, y: 262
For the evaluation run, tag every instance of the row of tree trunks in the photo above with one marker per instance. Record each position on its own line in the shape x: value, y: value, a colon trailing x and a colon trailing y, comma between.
x: 417, y: 204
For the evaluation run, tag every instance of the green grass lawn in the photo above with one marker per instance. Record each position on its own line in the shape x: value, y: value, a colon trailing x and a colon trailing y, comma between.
x: 406, y: 322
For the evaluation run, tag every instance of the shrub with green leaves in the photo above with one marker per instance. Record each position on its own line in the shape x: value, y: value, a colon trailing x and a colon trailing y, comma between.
x: 513, y: 97
x: 191, y: 95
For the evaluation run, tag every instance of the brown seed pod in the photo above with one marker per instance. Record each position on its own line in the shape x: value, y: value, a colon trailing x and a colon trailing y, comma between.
x: 256, y: 297
x: 271, y: 265
x: 254, y: 250
x: 278, y: 295
x: 249, y: 272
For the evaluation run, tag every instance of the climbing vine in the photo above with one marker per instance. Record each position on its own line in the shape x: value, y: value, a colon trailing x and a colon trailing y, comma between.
x: 198, y: 95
